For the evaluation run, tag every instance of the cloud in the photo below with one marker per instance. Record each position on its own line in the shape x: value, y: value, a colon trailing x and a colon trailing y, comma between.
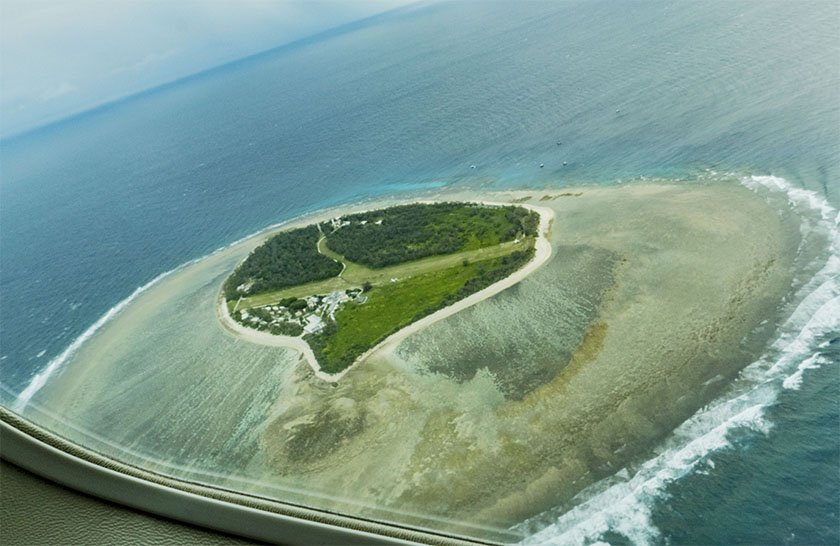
x: 63, y: 88
x: 148, y: 61
x: 62, y: 56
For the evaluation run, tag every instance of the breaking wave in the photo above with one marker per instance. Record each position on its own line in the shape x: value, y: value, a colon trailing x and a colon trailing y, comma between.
x: 53, y: 366
x: 623, y: 503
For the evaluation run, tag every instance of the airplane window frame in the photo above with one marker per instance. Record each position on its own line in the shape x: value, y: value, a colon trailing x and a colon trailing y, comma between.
x: 45, y: 454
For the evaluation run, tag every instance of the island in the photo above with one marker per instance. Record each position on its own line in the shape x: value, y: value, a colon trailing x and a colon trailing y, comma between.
x: 645, y: 313
x: 337, y: 289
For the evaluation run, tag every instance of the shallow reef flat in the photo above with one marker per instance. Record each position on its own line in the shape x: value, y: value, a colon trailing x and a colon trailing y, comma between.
x: 655, y: 296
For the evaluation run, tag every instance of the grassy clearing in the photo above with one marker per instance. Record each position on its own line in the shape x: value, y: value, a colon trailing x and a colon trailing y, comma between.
x: 352, y: 271
x: 389, y: 308
x: 286, y: 259
x: 355, y: 275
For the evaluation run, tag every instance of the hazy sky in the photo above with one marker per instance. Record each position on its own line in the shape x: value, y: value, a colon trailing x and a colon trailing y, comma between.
x: 58, y: 57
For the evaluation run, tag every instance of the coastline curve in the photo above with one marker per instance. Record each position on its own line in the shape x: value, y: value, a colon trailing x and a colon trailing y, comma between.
x: 542, y: 252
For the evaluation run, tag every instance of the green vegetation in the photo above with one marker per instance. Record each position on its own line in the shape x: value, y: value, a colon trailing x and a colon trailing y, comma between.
x: 265, y: 322
x: 350, y: 283
x: 294, y: 304
x: 286, y: 329
x: 354, y: 274
x: 400, y: 234
x: 390, y: 307
x: 286, y: 259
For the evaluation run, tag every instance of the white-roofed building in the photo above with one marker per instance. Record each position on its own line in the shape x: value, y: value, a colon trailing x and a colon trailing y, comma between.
x: 314, y: 324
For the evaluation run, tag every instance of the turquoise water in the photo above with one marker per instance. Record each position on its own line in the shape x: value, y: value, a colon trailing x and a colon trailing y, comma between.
x: 96, y: 206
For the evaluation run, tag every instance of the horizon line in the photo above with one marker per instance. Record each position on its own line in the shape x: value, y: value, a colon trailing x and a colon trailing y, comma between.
x: 319, y: 36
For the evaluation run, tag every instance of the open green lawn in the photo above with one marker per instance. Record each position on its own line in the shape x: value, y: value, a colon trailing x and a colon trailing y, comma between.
x: 352, y: 271
x: 355, y: 275
x: 390, y: 307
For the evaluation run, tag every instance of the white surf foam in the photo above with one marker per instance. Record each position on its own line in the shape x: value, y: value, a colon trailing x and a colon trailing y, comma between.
x: 40, y: 379
x: 624, y: 505
x: 794, y: 381
x: 53, y: 366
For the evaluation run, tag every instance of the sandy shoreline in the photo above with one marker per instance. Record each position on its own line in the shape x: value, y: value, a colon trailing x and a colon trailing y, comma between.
x: 542, y: 252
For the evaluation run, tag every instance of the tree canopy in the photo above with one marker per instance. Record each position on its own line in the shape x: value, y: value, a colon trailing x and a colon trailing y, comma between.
x: 287, y: 259
x: 409, y: 232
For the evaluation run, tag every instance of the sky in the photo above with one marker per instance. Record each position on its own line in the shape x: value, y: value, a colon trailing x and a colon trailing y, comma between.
x: 60, y: 57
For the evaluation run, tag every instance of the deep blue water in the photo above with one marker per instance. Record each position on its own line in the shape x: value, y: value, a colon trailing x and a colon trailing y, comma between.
x: 769, y: 496
x: 95, y: 206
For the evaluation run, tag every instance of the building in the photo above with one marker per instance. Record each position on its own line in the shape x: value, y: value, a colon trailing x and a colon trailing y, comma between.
x: 314, y: 324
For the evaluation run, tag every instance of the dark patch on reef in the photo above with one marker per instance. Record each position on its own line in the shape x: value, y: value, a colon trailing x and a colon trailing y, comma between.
x: 318, y: 435
x: 563, y: 299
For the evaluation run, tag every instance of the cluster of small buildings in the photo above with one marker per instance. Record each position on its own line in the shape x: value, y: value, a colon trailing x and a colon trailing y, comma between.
x: 311, y: 318
x: 338, y: 222
x: 244, y: 287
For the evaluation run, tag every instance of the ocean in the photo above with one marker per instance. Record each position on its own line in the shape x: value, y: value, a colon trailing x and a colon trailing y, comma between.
x: 483, y: 96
